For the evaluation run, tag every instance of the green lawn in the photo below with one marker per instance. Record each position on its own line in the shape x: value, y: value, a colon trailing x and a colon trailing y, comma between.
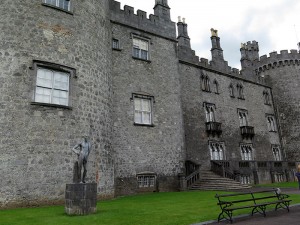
x: 174, y: 208
x: 282, y: 185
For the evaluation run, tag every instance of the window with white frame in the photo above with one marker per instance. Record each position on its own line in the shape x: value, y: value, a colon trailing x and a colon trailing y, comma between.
x: 271, y: 123
x: 245, y: 179
x: 52, y: 86
x: 63, y: 4
x: 276, y: 153
x: 210, y: 112
x: 246, y: 152
x: 243, y: 117
x: 146, y: 181
x: 142, y: 109
x: 217, y: 150
x: 140, y: 48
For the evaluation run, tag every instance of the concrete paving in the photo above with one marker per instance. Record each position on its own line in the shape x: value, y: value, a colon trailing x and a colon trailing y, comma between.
x: 279, y: 217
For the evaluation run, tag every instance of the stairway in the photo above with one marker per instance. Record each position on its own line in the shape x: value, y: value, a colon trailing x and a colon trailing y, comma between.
x: 211, y: 181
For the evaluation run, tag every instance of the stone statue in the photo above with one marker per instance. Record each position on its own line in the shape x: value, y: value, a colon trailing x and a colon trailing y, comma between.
x: 82, y: 150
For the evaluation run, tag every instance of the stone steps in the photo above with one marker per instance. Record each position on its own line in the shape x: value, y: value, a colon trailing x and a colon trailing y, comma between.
x: 211, y: 181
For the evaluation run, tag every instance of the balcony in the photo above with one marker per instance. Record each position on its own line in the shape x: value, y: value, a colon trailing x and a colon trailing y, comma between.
x: 247, y: 132
x: 213, y: 128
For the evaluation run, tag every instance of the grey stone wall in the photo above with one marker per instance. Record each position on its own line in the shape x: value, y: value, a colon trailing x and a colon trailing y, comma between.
x: 158, y: 149
x: 36, y: 141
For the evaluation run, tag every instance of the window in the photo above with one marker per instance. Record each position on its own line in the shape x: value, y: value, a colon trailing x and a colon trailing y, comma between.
x: 278, y: 177
x: 210, y: 112
x: 246, y: 152
x: 62, y: 4
x: 216, y: 150
x: 231, y: 91
x: 52, y: 87
x: 245, y: 179
x: 142, y: 109
x: 243, y: 117
x: 271, y: 123
x: 115, y: 44
x: 140, y: 48
x: 205, y: 83
x: 240, y: 91
x: 276, y: 153
x: 216, y: 85
x: 266, y: 95
x: 146, y: 181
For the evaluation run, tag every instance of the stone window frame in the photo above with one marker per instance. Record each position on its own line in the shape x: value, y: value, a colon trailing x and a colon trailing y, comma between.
x: 245, y: 179
x: 247, y: 151
x: 219, y: 147
x: 276, y: 152
x: 240, y: 91
x: 266, y: 95
x: 116, y: 44
x: 271, y: 123
x: 243, y: 117
x: 55, y: 67
x: 231, y: 90
x: 217, y: 86
x: 144, y: 39
x: 142, y: 95
x: 210, y: 111
x: 69, y: 11
x: 205, y: 82
x: 146, y: 180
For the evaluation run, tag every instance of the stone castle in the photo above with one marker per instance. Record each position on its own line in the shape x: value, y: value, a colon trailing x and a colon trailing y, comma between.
x: 157, y: 115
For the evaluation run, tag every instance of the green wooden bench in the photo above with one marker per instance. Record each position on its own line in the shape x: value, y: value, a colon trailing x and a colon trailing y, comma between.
x: 255, y: 200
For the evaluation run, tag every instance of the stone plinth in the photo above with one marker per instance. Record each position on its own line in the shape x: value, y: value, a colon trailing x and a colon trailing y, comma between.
x: 81, y: 199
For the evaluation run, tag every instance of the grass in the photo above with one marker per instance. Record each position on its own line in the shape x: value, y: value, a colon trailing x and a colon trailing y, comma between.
x: 173, y: 208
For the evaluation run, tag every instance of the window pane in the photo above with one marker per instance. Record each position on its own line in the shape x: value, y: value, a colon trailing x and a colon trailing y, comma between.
x: 146, y: 105
x: 137, y: 104
x: 144, y: 45
x: 138, y: 117
x: 61, y: 81
x: 44, y: 78
x: 144, y: 54
x: 43, y: 95
x: 146, y: 118
x: 136, y: 52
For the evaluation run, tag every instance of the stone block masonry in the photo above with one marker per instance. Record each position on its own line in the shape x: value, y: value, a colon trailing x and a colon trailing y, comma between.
x: 81, y: 199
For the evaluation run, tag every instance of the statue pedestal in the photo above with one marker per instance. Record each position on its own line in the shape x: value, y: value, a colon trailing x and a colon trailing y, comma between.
x: 81, y: 199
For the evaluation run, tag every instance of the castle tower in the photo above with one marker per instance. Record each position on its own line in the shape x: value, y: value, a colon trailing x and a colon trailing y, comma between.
x: 216, y: 50
x: 162, y: 9
x: 249, y: 56
x: 183, y: 37
x: 55, y: 73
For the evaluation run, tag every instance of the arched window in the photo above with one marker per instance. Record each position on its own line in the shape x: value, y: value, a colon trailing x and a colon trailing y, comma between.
x: 216, y: 86
x: 210, y: 112
x: 217, y: 150
x: 246, y: 152
x: 231, y: 91
x: 205, y: 83
x: 266, y: 97
x: 240, y: 91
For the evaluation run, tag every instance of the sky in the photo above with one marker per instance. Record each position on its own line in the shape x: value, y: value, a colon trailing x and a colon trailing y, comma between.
x: 274, y: 24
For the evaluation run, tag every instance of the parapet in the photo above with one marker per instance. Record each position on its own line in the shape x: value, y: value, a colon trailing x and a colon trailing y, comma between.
x: 285, y: 58
x: 154, y: 24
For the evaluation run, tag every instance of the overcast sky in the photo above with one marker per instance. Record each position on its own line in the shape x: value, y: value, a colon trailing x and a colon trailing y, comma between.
x: 274, y: 24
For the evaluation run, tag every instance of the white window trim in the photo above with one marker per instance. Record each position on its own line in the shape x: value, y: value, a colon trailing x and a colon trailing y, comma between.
x: 145, y: 97
x: 146, y: 180
x: 56, y: 5
x: 142, y: 39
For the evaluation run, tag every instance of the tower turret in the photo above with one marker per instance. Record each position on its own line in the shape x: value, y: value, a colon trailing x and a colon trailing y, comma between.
x: 216, y: 50
x: 183, y: 37
x: 249, y: 54
x: 162, y: 9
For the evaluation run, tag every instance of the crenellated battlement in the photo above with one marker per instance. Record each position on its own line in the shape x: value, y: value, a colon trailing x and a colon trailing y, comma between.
x: 285, y: 58
x: 157, y: 24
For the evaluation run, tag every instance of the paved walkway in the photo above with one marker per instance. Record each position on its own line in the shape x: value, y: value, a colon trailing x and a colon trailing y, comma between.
x: 279, y: 217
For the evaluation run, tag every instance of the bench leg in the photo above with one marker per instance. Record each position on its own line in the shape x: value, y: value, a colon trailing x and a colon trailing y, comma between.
x: 223, y: 214
x: 259, y: 209
x: 283, y: 205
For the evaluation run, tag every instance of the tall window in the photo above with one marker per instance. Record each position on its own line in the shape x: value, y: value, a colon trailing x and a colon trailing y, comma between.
x: 140, y: 48
x: 217, y: 150
x: 210, y: 112
x: 266, y: 95
x: 205, y: 83
x: 52, y: 87
x: 115, y: 43
x: 271, y: 123
x: 276, y: 153
x: 240, y: 91
x: 243, y: 117
x: 216, y: 85
x: 231, y: 90
x: 246, y: 152
x: 143, y: 110
x: 63, y: 4
x: 245, y: 179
